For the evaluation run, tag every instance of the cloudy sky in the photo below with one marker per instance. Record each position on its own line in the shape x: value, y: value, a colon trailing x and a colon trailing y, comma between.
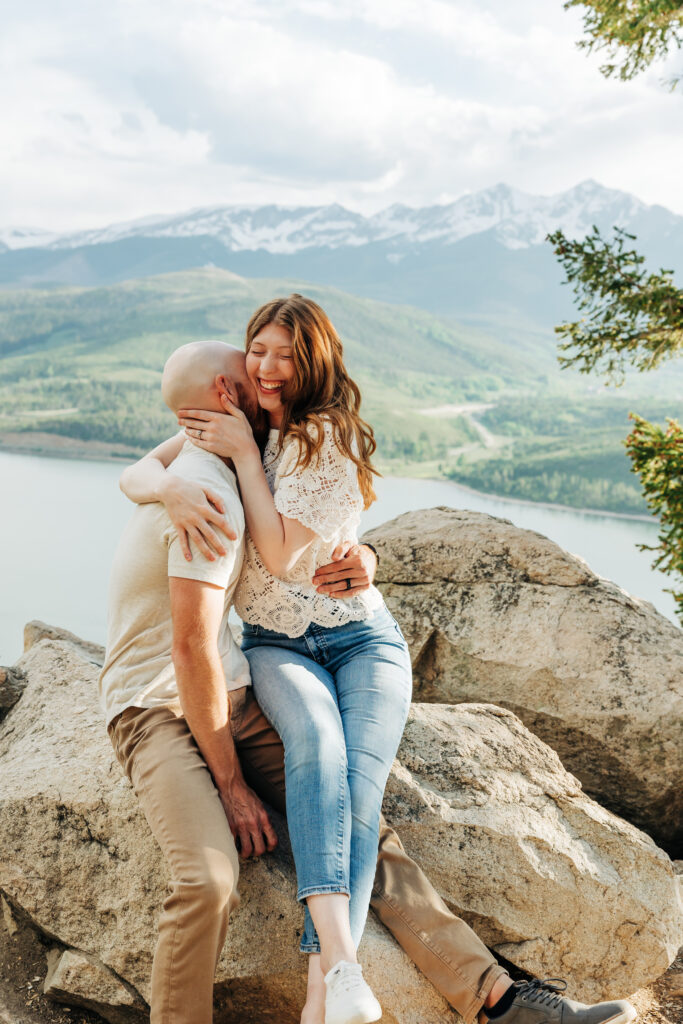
x: 118, y: 110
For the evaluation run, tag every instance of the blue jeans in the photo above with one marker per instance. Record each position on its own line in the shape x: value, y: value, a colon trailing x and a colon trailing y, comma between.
x: 339, y: 698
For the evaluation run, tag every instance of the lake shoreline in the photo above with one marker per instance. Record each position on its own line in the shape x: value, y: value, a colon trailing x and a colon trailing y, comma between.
x: 549, y: 504
x: 52, y: 446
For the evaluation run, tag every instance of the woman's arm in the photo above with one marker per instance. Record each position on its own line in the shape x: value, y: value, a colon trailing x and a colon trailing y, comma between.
x: 280, y: 541
x: 193, y: 510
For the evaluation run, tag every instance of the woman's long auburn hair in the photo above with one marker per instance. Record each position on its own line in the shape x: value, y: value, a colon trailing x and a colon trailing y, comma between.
x: 321, y: 389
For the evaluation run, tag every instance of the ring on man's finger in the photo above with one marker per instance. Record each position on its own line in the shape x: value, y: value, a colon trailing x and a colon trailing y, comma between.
x: 199, y: 434
x: 348, y: 583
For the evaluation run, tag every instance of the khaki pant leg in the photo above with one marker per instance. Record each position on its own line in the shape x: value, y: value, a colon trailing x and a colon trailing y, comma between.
x: 259, y: 747
x: 182, y: 806
x: 444, y: 948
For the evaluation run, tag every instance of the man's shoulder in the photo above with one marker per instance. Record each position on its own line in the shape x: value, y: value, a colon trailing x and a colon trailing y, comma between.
x: 203, y: 467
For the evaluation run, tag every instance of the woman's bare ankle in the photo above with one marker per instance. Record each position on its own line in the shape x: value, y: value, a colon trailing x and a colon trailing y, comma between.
x: 313, y: 1014
x: 329, y: 958
x: 314, y: 1007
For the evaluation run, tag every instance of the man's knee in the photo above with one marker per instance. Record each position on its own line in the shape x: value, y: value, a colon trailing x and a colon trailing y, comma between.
x: 213, y: 888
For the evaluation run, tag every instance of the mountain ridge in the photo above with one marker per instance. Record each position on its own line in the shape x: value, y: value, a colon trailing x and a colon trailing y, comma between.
x: 519, y: 218
x: 482, y: 260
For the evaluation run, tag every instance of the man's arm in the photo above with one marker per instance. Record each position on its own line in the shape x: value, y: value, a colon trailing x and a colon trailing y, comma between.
x: 197, y: 611
x: 357, y: 563
x: 194, y: 510
x: 146, y: 479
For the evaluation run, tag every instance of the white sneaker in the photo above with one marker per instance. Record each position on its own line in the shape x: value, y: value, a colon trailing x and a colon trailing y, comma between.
x: 349, y: 998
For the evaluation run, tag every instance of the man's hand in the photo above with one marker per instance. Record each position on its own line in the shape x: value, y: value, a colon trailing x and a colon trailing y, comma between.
x: 248, y: 820
x: 356, y: 564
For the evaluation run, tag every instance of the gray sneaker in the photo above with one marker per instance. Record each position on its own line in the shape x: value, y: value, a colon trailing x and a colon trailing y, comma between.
x: 543, y: 1002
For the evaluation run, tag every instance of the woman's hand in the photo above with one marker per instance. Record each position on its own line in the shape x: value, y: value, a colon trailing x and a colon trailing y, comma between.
x: 228, y: 435
x: 195, y: 511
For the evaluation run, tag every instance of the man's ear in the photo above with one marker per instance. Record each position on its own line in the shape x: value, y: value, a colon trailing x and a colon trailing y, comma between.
x: 226, y: 386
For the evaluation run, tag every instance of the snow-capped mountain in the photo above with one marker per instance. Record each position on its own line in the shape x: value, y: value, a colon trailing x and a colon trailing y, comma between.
x: 25, y: 238
x: 518, y: 220
x: 482, y: 258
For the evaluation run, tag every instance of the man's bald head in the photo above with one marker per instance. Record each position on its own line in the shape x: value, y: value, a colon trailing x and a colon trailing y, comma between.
x: 195, y: 375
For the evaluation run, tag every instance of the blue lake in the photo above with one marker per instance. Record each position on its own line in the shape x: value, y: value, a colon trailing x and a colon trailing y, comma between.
x: 62, y: 519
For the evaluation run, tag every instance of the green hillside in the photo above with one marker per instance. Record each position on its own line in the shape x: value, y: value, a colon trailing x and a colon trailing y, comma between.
x: 85, y: 363
x: 567, y: 452
x: 80, y: 371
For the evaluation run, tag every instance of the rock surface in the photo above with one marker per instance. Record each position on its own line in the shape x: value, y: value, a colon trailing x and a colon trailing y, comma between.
x: 36, y: 630
x: 495, y: 613
x: 12, y: 683
x: 75, y: 979
x: 547, y: 877
x: 77, y: 860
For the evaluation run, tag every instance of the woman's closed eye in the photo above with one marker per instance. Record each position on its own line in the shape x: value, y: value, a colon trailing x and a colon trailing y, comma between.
x: 253, y: 351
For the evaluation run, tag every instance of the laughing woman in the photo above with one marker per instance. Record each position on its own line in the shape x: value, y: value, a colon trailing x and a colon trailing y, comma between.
x: 333, y: 677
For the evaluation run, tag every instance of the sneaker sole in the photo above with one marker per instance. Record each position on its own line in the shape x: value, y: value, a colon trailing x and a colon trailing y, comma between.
x: 362, y: 1017
x: 625, y: 1017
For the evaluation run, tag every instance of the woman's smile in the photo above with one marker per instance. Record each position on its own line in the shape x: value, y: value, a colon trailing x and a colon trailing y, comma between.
x: 271, y: 387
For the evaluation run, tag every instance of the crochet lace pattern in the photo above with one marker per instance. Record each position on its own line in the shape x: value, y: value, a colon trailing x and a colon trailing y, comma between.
x: 325, y: 497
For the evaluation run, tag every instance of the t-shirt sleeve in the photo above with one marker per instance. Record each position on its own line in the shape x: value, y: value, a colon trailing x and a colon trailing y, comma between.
x: 200, y: 568
x: 325, y: 495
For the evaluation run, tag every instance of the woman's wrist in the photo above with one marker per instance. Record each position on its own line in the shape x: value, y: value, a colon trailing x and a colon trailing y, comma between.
x: 247, y: 456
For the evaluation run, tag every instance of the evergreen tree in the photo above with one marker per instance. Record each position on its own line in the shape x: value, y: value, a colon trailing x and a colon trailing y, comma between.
x: 633, y: 32
x: 631, y: 317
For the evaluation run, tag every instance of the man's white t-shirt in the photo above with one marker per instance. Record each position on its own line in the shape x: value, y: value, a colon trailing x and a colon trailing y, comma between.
x: 138, y: 668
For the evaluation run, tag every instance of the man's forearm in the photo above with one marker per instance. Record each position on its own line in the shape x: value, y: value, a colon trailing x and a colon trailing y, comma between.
x: 205, y: 704
x: 144, y: 481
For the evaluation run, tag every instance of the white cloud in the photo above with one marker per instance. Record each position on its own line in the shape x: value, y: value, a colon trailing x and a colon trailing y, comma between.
x: 144, y: 106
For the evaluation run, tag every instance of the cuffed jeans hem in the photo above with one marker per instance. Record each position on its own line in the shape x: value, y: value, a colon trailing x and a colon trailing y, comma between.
x: 309, y: 947
x: 322, y: 890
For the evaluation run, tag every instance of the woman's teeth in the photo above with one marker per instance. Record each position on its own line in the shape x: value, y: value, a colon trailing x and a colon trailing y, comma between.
x: 268, y: 385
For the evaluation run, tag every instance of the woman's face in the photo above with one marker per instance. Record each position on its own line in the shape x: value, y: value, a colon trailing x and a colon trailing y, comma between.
x: 269, y: 366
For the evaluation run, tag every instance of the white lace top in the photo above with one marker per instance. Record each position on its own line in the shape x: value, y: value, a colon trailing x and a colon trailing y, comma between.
x: 325, y: 497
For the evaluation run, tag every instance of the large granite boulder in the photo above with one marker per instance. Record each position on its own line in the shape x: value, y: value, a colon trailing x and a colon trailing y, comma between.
x: 495, y: 613
x: 547, y: 877
x: 77, y: 860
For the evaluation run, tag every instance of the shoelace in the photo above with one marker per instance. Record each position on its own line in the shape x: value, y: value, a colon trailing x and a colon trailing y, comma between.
x: 548, y: 991
x: 347, y: 979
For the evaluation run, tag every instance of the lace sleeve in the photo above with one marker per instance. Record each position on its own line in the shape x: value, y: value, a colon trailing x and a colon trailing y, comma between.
x: 325, y: 496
